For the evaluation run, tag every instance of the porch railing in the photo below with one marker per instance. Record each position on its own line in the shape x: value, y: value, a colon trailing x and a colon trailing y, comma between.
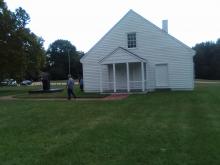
x: 107, y: 86
x: 134, y: 85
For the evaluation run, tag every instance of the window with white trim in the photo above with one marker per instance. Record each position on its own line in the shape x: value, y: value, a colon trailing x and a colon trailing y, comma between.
x: 131, y: 39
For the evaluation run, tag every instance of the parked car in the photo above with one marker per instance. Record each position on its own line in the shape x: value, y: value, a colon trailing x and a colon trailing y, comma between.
x: 26, y: 82
x: 5, y: 82
x: 12, y: 82
x: 9, y: 82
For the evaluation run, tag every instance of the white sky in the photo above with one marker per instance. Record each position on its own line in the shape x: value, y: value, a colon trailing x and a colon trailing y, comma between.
x: 84, y: 22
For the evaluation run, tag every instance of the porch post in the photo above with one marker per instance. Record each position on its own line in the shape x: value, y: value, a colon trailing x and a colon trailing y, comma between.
x: 128, y: 79
x: 101, y: 88
x: 142, y: 75
x: 114, y: 82
x: 146, y: 82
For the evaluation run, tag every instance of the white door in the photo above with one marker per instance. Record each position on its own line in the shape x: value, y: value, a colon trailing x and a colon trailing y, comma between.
x: 121, y: 76
x: 161, y: 75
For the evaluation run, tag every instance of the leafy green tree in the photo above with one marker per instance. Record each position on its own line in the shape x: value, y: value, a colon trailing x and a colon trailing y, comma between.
x: 21, y: 18
x: 6, y: 28
x: 35, y: 56
x: 58, y: 55
x: 207, y: 60
x: 218, y: 42
x: 21, y: 51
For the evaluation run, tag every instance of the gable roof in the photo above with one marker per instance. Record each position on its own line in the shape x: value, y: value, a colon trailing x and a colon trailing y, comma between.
x: 129, y: 57
x: 145, y: 20
x: 105, y: 35
x: 172, y: 37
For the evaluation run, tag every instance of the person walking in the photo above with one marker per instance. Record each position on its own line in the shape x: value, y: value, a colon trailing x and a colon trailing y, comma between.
x: 81, y: 83
x: 70, y: 87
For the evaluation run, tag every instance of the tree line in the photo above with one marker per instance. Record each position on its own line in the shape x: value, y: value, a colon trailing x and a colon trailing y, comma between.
x: 207, y: 60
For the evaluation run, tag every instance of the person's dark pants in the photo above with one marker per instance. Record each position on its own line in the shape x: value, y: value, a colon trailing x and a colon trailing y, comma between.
x: 81, y: 87
x: 70, y: 93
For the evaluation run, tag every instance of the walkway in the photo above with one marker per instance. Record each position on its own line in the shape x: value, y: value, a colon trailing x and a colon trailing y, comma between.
x: 107, y: 98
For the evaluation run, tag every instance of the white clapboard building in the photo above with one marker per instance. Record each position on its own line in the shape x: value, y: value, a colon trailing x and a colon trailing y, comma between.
x: 136, y: 55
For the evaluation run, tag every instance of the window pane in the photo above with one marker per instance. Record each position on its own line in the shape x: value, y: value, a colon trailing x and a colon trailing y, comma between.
x: 131, y: 40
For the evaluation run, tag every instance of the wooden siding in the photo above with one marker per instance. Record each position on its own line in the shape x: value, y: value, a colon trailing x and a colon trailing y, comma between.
x: 153, y: 44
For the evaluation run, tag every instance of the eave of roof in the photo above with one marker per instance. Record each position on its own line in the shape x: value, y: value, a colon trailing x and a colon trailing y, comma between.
x: 126, y: 51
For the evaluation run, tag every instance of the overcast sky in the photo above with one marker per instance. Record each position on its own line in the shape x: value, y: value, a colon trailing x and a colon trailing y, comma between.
x: 84, y: 22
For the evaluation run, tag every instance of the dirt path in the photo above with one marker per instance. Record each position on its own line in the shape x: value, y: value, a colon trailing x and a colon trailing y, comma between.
x: 116, y: 97
x: 7, y: 98
x: 107, y: 98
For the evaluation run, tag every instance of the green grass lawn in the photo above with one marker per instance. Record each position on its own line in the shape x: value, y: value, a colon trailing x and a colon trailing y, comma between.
x: 161, y: 128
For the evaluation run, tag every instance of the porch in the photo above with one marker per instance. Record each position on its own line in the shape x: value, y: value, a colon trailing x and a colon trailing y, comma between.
x: 123, y: 77
x: 123, y: 71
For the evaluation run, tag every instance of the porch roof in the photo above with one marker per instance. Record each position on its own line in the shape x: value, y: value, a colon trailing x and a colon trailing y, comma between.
x: 121, y: 55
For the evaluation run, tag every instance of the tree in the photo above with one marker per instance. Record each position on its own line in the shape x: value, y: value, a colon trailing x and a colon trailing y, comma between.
x: 21, y: 51
x: 35, y: 56
x: 6, y: 28
x: 218, y: 42
x: 58, y: 55
x: 21, y: 18
x: 207, y: 60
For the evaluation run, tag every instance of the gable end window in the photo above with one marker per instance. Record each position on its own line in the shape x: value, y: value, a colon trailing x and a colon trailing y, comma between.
x: 131, y: 38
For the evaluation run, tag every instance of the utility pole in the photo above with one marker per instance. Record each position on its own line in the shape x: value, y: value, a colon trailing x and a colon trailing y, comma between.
x: 69, y: 59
